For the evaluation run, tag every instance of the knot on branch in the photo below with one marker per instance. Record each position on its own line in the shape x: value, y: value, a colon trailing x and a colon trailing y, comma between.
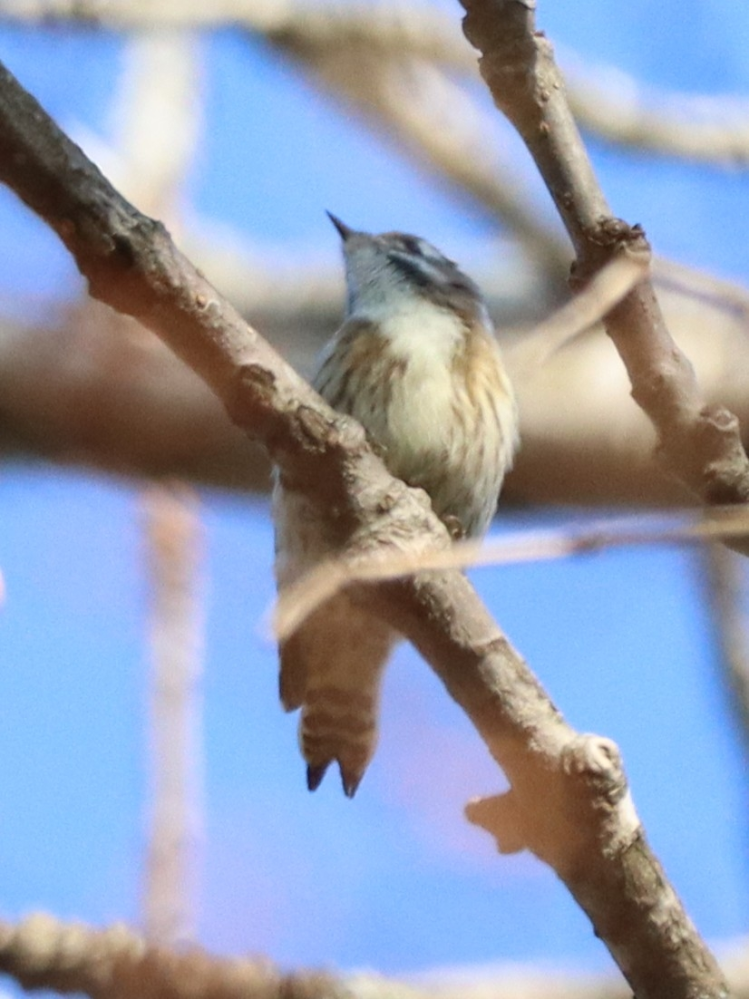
x: 703, y: 449
x: 504, y: 32
x: 135, y: 238
x: 596, y: 763
x: 610, y: 237
x: 564, y: 811
x: 314, y: 431
x: 610, y: 231
x: 499, y: 26
x: 251, y: 403
x: 724, y: 473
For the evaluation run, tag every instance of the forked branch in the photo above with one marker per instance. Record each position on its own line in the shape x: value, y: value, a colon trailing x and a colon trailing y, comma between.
x: 569, y: 801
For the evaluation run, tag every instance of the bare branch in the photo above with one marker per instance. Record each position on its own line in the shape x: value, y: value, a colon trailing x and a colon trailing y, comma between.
x: 724, y: 580
x: 159, y: 125
x: 116, y: 963
x: 604, y: 290
x: 699, y: 443
x: 395, y: 30
x: 173, y: 535
x: 158, y: 104
x: 568, y: 801
x: 606, y: 101
x: 617, y: 107
x: 95, y: 391
x: 348, y: 50
x: 302, y: 598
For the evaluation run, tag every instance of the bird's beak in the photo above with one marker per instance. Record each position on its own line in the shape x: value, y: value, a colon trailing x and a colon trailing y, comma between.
x: 343, y: 230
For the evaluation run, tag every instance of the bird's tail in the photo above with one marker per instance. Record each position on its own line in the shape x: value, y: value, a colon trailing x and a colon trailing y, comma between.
x: 332, y: 668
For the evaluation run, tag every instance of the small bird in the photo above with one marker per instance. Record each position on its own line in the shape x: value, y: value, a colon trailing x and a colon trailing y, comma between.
x: 417, y: 364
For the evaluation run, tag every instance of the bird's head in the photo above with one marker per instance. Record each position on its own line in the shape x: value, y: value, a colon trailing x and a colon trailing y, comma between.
x: 385, y: 269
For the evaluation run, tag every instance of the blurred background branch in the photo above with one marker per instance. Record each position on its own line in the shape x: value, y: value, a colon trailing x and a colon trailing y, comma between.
x: 173, y: 537
x: 84, y: 388
x: 120, y: 402
x: 42, y: 952
x: 726, y: 599
x: 606, y: 101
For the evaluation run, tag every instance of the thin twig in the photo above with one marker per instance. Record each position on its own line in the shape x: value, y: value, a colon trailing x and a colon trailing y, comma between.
x: 605, y: 290
x: 724, y: 579
x: 690, y: 282
x: 298, y: 601
x: 615, y: 106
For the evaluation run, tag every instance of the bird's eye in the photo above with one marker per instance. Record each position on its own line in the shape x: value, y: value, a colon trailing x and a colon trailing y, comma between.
x: 420, y: 248
x: 413, y: 245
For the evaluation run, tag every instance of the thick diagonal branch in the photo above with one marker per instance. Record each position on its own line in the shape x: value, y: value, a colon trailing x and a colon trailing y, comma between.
x: 569, y: 802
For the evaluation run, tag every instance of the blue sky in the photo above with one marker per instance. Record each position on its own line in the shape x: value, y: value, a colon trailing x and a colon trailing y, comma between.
x: 395, y: 880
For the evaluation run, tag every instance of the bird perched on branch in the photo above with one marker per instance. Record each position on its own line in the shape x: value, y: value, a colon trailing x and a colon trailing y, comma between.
x: 417, y: 364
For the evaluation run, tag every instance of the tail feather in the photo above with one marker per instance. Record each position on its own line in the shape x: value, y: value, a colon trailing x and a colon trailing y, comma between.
x: 332, y: 668
x: 315, y: 776
x: 292, y: 677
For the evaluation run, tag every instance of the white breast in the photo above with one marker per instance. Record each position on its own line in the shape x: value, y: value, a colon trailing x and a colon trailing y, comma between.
x: 427, y: 339
x: 435, y: 398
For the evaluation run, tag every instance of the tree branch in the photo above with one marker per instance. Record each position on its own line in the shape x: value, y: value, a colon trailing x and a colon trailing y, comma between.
x: 618, y: 108
x: 95, y: 390
x: 298, y: 601
x: 604, y: 100
x: 116, y: 963
x: 724, y: 585
x: 174, y: 548
x: 568, y: 801
x: 698, y: 443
